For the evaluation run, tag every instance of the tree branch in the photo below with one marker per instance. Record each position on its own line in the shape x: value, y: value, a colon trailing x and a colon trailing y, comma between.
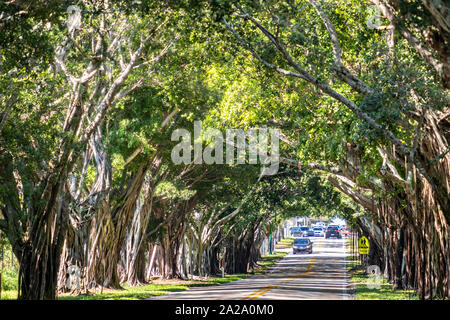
x: 426, y: 54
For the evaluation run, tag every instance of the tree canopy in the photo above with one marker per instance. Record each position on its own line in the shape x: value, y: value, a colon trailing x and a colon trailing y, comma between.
x: 92, y: 92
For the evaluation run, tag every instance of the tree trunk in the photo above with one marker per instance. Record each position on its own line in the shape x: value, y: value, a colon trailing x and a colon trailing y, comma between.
x: 39, y: 256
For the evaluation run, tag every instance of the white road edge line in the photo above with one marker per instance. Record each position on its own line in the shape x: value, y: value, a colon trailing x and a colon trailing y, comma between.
x: 344, y: 289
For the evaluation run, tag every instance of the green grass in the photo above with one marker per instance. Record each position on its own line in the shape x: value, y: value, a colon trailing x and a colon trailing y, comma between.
x: 9, y: 284
x: 365, y: 288
x: 132, y: 293
x: 9, y: 295
x: 285, y: 243
x: 268, y: 261
x: 140, y: 292
x: 152, y: 290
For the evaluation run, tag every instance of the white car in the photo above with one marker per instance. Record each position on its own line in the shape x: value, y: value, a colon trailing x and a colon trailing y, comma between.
x: 318, y: 232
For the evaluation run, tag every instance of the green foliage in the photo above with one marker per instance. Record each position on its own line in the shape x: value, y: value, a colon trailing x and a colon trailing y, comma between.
x: 8, y: 269
x: 207, y: 76
x: 9, y: 280
x: 169, y: 190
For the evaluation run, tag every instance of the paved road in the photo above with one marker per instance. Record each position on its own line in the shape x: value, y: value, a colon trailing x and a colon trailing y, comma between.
x: 319, y: 276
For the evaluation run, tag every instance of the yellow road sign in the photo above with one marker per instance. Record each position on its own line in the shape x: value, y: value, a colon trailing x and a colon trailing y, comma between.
x: 363, y: 245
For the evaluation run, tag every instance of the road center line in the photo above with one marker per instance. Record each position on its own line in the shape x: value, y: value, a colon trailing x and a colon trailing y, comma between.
x: 254, y: 293
x: 264, y: 290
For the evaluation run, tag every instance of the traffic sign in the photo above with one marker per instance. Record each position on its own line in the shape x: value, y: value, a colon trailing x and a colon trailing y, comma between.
x: 363, y: 245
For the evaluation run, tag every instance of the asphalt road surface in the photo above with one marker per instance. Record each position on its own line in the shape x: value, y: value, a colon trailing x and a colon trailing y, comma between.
x: 318, y: 276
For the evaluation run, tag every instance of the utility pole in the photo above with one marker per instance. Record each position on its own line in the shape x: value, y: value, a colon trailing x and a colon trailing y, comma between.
x: 270, y: 243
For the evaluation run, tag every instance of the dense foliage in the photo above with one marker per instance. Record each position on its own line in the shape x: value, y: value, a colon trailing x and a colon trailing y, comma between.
x: 90, y: 97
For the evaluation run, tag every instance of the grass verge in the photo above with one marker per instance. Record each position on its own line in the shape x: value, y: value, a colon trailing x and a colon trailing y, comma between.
x: 9, y: 280
x: 366, y: 289
x: 285, y: 243
x: 159, y: 287
x: 267, y: 261
x: 9, y: 295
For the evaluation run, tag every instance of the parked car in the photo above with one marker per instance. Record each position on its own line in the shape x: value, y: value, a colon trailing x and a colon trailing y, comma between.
x: 296, y: 232
x: 319, y: 225
x: 307, y: 232
x: 333, y: 231
x: 302, y: 245
x: 303, y: 230
x: 318, y: 232
x: 345, y: 232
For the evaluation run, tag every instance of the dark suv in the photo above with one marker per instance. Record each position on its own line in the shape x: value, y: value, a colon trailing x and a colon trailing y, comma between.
x: 333, y: 231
